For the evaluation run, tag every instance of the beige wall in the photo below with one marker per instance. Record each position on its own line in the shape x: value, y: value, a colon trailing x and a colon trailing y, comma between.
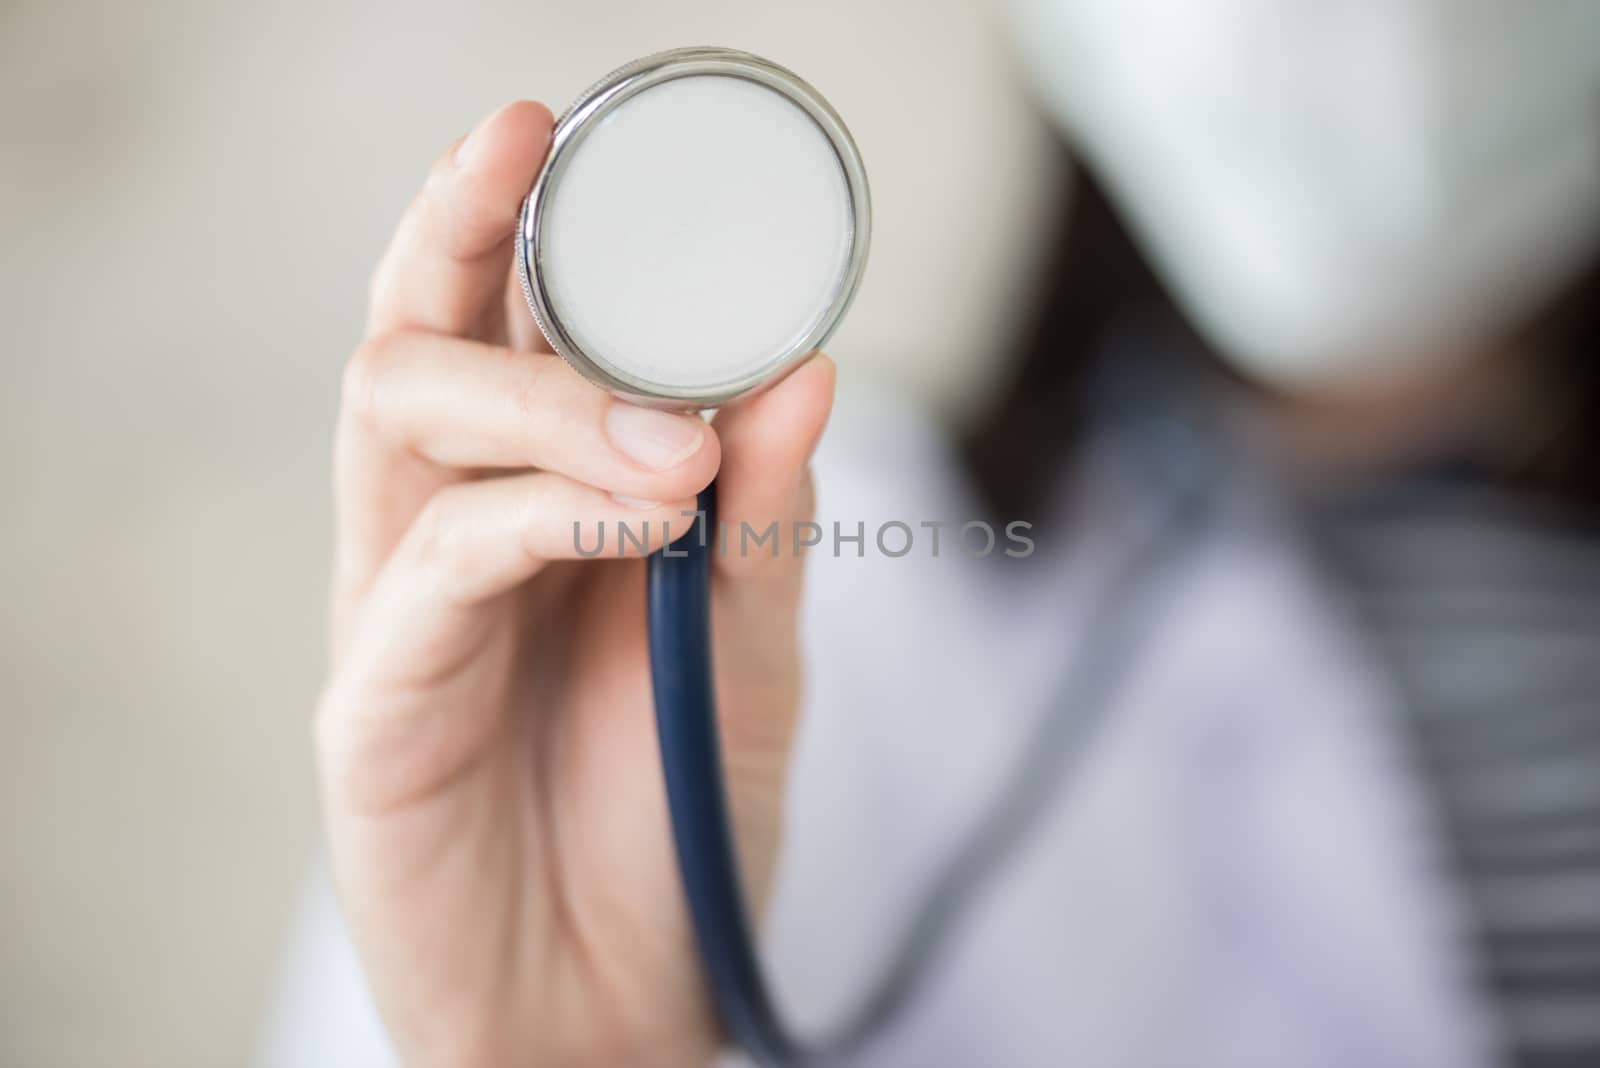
x: 190, y: 200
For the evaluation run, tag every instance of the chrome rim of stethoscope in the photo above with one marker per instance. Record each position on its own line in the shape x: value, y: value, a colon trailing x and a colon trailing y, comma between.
x: 571, y: 129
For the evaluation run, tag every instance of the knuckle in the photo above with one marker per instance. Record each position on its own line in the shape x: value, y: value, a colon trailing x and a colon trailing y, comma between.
x: 441, y: 548
x: 337, y: 733
x: 547, y: 412
x: 435, y: 534
x: 382, y: 281
x: 532, y: 526
x: 360, y: 390
x: 326, y: 721
x: 377, y: 284
x: 530, y: 392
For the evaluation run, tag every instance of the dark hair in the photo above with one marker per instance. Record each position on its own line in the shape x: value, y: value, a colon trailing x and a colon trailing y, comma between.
x: 1094, y: 276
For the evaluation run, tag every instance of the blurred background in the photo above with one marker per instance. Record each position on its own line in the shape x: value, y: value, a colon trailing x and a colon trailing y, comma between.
x: 191, y: 198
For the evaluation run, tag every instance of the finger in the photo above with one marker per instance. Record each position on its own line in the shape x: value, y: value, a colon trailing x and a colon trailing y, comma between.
x: 763, y: 484
x: 767, y: 442
x: 475, y: 541
x: 464, y: 404
x: 447, y: 265
x: 764, y: 489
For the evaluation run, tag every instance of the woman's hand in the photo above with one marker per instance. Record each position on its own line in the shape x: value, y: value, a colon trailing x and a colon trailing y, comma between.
x: 489, y: 771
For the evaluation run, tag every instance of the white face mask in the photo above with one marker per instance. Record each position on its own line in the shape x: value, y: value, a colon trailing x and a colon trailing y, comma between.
x: 1339, y: 192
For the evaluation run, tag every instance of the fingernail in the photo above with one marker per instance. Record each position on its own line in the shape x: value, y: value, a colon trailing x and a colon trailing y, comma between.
x: 635, y: 502
x: 657, y: 440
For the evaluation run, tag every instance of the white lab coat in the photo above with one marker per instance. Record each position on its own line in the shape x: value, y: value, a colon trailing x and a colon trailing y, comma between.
x: 1240, y: 873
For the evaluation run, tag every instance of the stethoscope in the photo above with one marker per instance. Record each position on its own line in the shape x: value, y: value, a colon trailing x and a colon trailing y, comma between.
x: 703, y: 177
x: 700, y: 226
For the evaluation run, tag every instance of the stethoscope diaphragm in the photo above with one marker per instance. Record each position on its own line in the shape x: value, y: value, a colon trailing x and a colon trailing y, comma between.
x: 700, y: 225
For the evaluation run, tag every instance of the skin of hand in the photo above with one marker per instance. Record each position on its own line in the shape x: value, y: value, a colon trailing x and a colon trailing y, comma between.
x: 485, y: 740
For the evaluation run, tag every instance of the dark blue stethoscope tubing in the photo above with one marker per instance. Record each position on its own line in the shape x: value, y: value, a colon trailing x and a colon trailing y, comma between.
x: 678, y: 607
x: 678, y: 614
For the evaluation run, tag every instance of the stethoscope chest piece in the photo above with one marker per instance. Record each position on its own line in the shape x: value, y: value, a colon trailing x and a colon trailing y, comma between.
x: 700, y: 225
